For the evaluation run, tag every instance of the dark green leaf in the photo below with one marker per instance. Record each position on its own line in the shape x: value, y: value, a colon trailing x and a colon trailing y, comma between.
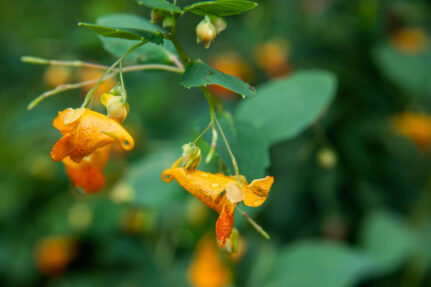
x: 126, y: 33
x: 160, y: 4
x: 318, y: 264
x: 221, y: 7
x: 248, y: 146
x: 410, y: 71
x: 199, y: 74
x: 388, y: 240
x: 148, y: 52
x: 285, y: 107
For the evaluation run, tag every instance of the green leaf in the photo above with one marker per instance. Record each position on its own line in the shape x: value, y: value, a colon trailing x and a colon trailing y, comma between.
x: 160, y: 4
x: 284, y: 107
x: 318, y: 264
x: 198, y: 74
x: 220, y: 7
x: 147, y: 53
x: 410, y: 71
x: 126, y: 33
x: 144, y: 178
x: 388, y: 240
x: 247, y: 144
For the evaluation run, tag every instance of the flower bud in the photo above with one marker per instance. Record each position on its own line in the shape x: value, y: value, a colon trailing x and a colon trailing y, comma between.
x: 191, y: 156
x: 115, y: 107
x: 156, y: 15
x: 167, y: 22
x: 219, y: 23
x: 206, y: 32
x: 327, y: 158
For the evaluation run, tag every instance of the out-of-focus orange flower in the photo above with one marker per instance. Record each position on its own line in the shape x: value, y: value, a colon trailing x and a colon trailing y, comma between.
x: 87, y: 74
x: 207, y: 269
x: 88, y: 173
x: 55, y: 76
x: 232, y: 64
x: 414, y: 126
x: 208, y: 188
x: 273, y: 57
x: 53, y: 254
x: 410, y: 40
x: 84, y: 131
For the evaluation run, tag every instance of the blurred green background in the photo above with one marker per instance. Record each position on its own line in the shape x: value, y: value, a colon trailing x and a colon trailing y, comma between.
x: 351, y: 201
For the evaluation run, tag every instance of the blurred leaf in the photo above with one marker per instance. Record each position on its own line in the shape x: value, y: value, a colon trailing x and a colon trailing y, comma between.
x: 144, y: 177
x: 148, y: 52
x: 126, y: 33
x: 160, y: 4
x: 285, y: 107
x: 388, y: 240
x: 220, y: 7
x: 198, y: 74
x: 318, y: 264
x: 411, y: 71
x: 247, y: 144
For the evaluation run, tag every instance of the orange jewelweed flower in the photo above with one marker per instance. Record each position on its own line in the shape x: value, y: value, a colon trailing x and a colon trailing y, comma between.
x: 88, y: 173
x: 273, y: 57
x: 410, y: 40
x: 208, y: 188
x: 414, y: 126
x: 207, y: 269
x: 84, y: 131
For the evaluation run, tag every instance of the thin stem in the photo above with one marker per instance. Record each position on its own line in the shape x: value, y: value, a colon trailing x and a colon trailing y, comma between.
x: 89, y: 95
x: 202, y: 134
x: 253, y: 223
x: 41, y: 61
x: 67, y: 87
x: 232, y: 157
x: 123, y: 88
x: 173, y: 37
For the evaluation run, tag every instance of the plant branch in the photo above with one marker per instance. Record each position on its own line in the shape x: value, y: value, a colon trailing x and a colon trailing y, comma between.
x: 253, y: 223
x: 40, y: 61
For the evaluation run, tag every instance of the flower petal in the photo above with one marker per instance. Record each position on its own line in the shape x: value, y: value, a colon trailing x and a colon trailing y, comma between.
x: 257, y: 191
x: 224, y: 223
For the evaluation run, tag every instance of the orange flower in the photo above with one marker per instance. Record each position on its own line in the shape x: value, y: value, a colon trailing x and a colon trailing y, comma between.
x: 54, y: 254
x: 87, y: 74
x: 88, y: 173
x: 273, y: 57
x: 410, y: 40
x: 414, y: 126
x: 207, y: 270
x: 208, y: 188
x: 84, y: 131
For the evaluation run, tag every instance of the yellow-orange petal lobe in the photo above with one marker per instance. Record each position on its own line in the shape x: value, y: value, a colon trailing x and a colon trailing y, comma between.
x: 257, y: 191
x: 88, y: 173
x: 84, y: 131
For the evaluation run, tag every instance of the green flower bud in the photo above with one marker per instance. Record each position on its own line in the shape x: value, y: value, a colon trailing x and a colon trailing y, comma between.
x: 157, y: 15
x: 206, y: 32
x: 219, y: 23
x: 168, y: 22
x: 327, y: 158
x: 191, y: 156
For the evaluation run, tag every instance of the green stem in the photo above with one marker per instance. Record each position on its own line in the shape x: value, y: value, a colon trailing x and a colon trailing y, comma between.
x: 123, y: 88
x: 173, y: 37
x: 41, y: 61
x: 89, y: 95
x: 253, y: 223
x: 202, y: 134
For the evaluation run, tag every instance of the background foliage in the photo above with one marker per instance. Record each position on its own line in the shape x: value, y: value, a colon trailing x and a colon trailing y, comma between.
x: 360, y: 218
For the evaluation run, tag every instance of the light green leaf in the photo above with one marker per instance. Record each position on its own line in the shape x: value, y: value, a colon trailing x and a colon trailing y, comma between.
x: 318, y: 264
x: 284, y: 107
x: 388, y: 240
x: 410, y: 71
x: 198, y: 74
x: 247, y: 144
x: 160, y: 4
x: 220, y: 7
x: 144, y: 178
x: 146, y: 53
x: 126, y: 33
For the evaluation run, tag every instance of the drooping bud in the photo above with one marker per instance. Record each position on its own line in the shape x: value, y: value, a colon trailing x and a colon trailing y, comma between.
x: 156, y: 15
x: 219, y: 23
x: 191, y: 156
x: 206, y: 32
x: 115, y: 107
x: 168, y: 21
